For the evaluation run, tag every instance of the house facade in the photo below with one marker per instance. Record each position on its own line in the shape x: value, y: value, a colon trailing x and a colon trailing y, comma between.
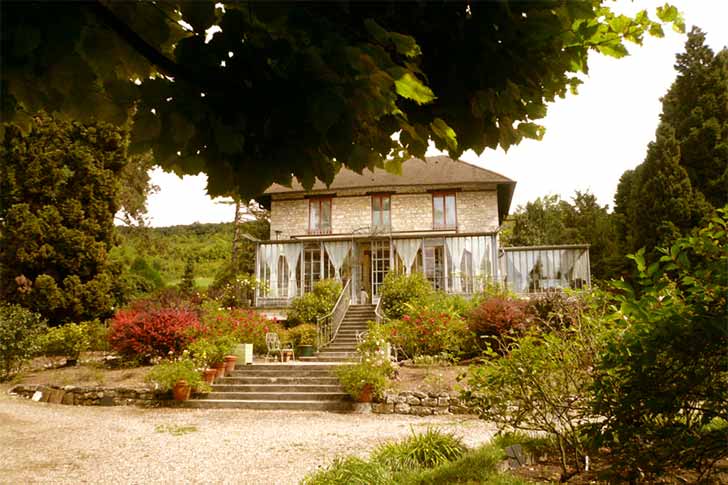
x: 439, y: 216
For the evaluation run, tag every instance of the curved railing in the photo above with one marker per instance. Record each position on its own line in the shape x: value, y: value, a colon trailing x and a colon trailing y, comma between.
x: 328, y: 326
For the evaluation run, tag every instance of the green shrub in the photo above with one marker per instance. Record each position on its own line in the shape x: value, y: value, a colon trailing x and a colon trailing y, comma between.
x: 141, y: 269
x: 302, y: 334
x: 478, y: 466
x: 355, y: 377
x: 68, y: 340
x: 398, y: 290
x: 211, y: 350
x: 167, y: 373
x: 187, y: 285
x: 316, y: 304
x: 421, y: 450
x: 661, y: 385
x: 543, y: 385
x: 20, y: 330
x: 350, y: 470
x: 98, y: 335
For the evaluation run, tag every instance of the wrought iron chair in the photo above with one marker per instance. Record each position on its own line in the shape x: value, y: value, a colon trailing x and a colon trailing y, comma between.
x: 273, y: 343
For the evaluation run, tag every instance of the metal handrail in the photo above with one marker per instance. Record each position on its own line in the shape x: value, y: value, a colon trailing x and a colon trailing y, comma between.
x: 328, y: 326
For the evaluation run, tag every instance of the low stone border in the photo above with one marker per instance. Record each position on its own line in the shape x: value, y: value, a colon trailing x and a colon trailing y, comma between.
x: 419, y: 403
x: 89, y: 396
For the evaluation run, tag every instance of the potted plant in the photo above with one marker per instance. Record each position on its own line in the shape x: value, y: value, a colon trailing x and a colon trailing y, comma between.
x: 179, y: 376
x: 365, y: 380
x: 203, y: 352
x: 304, y: 338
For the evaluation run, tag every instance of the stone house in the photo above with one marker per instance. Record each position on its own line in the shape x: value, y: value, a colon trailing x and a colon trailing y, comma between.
x: 440, y: 217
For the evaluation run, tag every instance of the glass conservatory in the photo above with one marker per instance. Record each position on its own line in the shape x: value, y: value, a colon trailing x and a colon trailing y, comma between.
x: 536, y: 269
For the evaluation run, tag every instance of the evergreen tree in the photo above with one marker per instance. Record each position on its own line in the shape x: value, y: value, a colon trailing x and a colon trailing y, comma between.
x: 58, y: 196
x: 187, y: 285
x: 685, y: 174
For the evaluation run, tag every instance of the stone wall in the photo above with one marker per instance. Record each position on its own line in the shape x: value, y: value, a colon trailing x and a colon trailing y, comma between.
x: 477, y: 211
x: 89, y: 396
x: 419, y: 403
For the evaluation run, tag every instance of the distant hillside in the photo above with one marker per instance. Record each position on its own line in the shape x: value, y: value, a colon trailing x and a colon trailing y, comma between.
x: 167, y: 249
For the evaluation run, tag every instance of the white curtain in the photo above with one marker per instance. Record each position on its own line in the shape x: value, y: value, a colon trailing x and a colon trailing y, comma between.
x: 456, y: 248
x: 271, y: 253
x: 407, y: 250
x: 480, y: 248
x: 292, y: 252
x: 337, y: 251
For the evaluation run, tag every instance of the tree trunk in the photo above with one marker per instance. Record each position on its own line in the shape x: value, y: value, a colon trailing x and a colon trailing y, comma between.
x: 236, y: 236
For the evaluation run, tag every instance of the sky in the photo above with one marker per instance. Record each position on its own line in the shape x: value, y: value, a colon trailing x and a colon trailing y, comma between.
x: 590, y: 140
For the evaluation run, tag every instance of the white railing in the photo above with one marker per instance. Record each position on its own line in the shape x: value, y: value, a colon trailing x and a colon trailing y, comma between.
x: 328, y: 326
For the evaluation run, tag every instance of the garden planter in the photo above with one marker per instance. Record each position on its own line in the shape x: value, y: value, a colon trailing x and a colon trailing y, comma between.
x: 209, y: 375
x: 366, y: 394
x: 181, y: 390
x: 230, y: 364
x: 305, y: 350
x: 220, y: 368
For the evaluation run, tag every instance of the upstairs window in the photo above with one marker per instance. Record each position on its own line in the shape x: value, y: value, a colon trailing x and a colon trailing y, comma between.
x: 443, y: 210
x: 380, y: 211
x: 319, y: 216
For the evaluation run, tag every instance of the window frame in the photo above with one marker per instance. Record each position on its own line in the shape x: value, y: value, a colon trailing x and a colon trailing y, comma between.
x: 444, y: 195
x: 319, y: 203
x: 380, y: 198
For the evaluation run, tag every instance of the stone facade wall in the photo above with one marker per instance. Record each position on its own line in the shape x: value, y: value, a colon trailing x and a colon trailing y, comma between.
x: 477, y: 211
x: 290, y: 217
x: 412, y: 212
x: 350, y: 213
x: 419, y: 404
x: 89, y: 396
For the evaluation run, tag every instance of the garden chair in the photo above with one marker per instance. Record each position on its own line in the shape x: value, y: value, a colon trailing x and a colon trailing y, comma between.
x: 273, y: 343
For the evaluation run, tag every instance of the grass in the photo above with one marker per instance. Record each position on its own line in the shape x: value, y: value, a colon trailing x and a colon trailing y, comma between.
x: 429, y: 458
x: 175, y: 429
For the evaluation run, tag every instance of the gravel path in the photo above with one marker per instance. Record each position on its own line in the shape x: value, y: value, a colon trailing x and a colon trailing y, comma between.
x: 51, y: 443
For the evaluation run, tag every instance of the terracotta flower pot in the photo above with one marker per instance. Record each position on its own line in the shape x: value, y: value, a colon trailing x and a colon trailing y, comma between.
x: 366, y: 394
x: 219, y: 368
x: 209, y: 375
x: 230, y: 364
x: 181, y: 390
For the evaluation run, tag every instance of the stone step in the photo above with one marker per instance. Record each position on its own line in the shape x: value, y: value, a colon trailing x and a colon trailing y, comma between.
x: 275, y: 396
x: 277, y: 387
x: 288, y: 380
x: 339, y: 347
x: 303, y: 405
x: 295, y: 367
x: 285, y: 373
x: 325, y: 358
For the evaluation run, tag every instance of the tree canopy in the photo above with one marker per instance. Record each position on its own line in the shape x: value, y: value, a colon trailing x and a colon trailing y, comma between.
x: 684, y: 176
x: 59, y: 187
x: 257, y: 92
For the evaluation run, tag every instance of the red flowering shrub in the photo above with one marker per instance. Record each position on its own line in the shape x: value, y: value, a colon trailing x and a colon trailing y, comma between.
x: 499, y: 317
x: 430, y: 331
x: 152, y: 332
x: 244, y: 325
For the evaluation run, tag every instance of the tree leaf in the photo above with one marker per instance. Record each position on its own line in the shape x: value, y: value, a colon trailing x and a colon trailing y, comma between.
x: 408, y: 86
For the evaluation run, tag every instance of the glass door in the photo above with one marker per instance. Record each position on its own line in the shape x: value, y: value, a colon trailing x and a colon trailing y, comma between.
x: 380, y: 265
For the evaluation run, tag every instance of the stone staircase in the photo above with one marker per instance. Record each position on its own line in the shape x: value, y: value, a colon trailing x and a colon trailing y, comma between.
x: 301, y: 386
x: 343, y: 347
x: 308, y: 384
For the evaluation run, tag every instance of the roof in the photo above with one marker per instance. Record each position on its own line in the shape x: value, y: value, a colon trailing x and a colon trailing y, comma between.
x: 440, y: 170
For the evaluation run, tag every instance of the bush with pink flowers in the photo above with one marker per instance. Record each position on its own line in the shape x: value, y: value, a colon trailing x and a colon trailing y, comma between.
x: 244, y: 325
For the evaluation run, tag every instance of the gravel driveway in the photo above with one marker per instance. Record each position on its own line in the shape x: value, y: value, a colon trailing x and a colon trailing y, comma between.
x: 52, y: 443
